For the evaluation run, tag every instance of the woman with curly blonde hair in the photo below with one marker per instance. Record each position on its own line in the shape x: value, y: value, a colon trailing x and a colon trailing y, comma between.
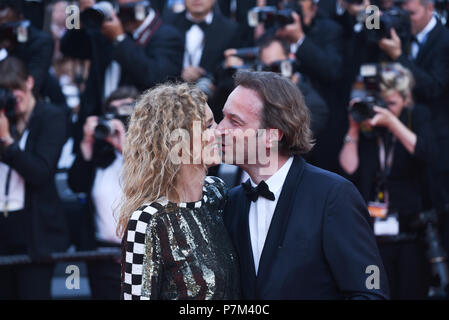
x: 175, y: 245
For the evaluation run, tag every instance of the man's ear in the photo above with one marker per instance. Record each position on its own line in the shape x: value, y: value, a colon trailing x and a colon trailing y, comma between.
x: 30, y: 83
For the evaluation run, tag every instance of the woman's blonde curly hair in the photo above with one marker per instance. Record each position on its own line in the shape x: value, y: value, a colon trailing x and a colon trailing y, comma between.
x: 148, y: 173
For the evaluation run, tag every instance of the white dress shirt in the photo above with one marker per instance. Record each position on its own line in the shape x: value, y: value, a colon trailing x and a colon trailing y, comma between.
x: 422, y: 37
x: 194, y: 43
x: 106, y: 194
x: 114, y: 70
x: 261, y: 212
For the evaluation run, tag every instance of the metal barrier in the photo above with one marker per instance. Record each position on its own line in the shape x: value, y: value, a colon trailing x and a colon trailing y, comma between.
x: 100, y: 254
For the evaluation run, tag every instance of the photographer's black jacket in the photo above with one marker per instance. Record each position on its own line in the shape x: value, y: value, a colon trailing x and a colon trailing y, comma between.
x: 405, y: 183
x: 37, y: 54
x: 220, y: 35
x: 46, y: 226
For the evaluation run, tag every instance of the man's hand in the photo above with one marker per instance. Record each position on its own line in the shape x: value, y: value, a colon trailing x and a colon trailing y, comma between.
x: 192, y: 74
x: 292, y: 32
x: 112, y: 28
x: 392, y: 47
x: 87, y: 144
x: 118, y: 137
x: 5, y: 136
x: 353, y: 8
x: 231, y: 60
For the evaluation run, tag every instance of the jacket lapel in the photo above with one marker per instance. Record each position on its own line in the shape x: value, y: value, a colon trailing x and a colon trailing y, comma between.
x: 429, y: 43
x: 281, y: 215
x: 248, y: 272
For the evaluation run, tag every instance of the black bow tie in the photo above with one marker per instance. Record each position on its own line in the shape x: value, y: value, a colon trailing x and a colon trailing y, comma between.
x: 261, y: 190
x: 188, y: 24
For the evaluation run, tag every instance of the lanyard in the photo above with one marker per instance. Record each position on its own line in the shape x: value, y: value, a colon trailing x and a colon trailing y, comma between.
x: 386, y: 158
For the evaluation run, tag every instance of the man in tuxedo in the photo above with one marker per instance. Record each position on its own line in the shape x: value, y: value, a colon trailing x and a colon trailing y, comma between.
x: 428, y: 59
x: 126, y: 51
x: 300, y: 232
x: 318, y: 44
x: 207, y: 34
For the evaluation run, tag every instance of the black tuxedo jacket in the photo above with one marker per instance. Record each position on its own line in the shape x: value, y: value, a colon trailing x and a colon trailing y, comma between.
x: 431, y: 72
x: 220, y: 35
x: 46, y: 227
x: 319, y: 243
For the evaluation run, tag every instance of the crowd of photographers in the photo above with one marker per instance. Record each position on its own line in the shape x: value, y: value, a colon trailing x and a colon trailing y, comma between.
x: 375, y: 78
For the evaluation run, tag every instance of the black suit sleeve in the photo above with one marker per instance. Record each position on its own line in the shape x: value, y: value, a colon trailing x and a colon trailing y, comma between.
x: 317, y: 106
x: 76, y: 44
x: 349, y: 244
x: 431, y: 82
x: 149, y: 66
x: 38, y: 167
x: 323, y: 61
x: 41, y: 54
x: 81, y: 175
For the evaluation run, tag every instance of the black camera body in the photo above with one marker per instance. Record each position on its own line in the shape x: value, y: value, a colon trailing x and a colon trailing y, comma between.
x: 13, y: 33
x: 396, y: 19
x: 94, y: 17
x: 364, y: 109
x: 104, y: 128
x: 270, y: 17
x: 8, y: 105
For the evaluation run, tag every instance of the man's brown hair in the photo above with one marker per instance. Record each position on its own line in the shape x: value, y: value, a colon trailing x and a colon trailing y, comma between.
x: 284, y: 108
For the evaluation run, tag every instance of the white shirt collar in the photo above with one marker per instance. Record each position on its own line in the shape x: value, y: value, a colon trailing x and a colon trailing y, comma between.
x: 276, y: 181
x: 424, y: 32
x: 208, y: 18
x: 144, y: 24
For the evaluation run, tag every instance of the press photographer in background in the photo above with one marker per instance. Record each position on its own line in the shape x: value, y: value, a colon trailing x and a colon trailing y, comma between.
x: 24, y: 41
x: 207, y: 34
x: 32, y: 134
x: 96, y: 172
x: 126, y: 45
x: 428, y: 60
x: 386, y: 153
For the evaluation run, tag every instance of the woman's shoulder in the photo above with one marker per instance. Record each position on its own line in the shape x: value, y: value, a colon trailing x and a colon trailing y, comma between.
x: 141, y: 218
x: 216, y: 185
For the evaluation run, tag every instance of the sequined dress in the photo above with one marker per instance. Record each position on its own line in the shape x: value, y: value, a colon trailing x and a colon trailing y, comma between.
x: 180, y: 250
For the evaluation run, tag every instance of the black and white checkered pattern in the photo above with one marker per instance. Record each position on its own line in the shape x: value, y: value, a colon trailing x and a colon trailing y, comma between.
x: 135, y: 250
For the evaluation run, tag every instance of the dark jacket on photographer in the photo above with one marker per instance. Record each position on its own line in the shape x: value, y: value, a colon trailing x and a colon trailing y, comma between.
x: 219, y: 35
x: 36, y: 53
x: 81, y: 179
x: 430, y: 69
x: 151, y: 57
x: 404, y: 173
x: 45, y: 228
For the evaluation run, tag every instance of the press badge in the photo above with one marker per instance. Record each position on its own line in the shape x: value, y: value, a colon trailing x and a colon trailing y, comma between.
x: 386, y: 227
x: 377, y: 209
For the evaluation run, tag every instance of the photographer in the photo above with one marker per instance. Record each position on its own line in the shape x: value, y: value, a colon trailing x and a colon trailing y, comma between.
x: 132, y: 48
x: 32, y: 134
x: 385, y: 154
x: 200, y: 26
x: 96, y: 172
x: 24, y: 41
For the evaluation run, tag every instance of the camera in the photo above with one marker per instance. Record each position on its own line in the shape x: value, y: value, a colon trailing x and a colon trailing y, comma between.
x: 14, y: 33
x: 93, y: 17
x: 364, y: 109
x: 286, y: 68
x: 394, y: 18
x: 270, y: 17
x: 8, y: 104
x: 135, y: 11
x: 104, y: 127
